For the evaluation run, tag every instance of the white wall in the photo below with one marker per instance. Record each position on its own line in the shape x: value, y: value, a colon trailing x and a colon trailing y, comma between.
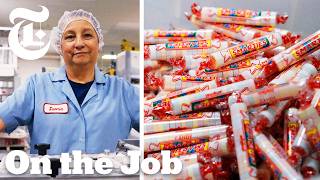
x: 304, y: 15
x: 27, y: 68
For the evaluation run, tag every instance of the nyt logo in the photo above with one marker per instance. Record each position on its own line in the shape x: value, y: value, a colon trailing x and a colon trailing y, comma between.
x: 22, y: 49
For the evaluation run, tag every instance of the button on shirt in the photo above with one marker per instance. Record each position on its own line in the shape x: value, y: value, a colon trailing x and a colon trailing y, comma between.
x: 48, y: 106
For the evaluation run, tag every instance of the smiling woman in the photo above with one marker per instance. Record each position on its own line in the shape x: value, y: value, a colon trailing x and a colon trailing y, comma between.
x: 80, y: 39
x: 76, y: 107
x: 80, y: 49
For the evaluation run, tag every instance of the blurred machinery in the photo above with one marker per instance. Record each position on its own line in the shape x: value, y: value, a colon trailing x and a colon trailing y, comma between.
x: 128, y: 66
x: 18, y: 139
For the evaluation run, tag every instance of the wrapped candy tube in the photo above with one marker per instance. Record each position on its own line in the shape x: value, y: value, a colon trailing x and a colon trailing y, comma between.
x: 195, y: 62
x: 184, y: 48
x: 247, y: 49
x: 220, y: 147
x: 272, y: 52
x: 152, y: 36
x: 256, y: 66
x: 296, y: 73
x: 314, y: 57
x: 291, y: 128
x: 266, y: 118
x: 217, y: 103
x: 150, y: 104
x: 238, y: 16
x: 189, y: 62
x: 234, y: 31
x: 186, y: 103
x: 248, y: 71
x: 192, y: 171
x: 291, y: 55
x: 300, y: 147
x: 176, y: 82
x: 271, y: 94
x: 278, y: 147
x: 155, y: 142
x: 195, y: 166
x: 310, y: 118
x: 243, y: 138
x: 276, y: 161
x: 163, y: 126
x: 198, y: 115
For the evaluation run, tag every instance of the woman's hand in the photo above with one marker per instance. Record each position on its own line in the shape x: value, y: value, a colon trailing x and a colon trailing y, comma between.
x: 2, y: 126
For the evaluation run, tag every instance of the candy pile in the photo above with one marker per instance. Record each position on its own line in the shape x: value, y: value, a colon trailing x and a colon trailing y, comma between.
x: 237, y: 98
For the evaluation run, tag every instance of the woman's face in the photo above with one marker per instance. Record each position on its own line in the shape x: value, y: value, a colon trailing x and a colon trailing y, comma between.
x: 80, y: 44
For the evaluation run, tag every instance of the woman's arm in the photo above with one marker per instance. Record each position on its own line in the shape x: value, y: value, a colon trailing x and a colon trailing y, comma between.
x: 17, y: 109
x: 131, y: 97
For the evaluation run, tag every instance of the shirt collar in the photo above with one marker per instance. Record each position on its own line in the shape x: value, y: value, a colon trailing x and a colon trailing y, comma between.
x: 60, y: 75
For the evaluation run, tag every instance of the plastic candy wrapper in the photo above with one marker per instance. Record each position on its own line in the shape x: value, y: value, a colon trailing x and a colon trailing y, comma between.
x: 186, y: 103
x: 247, y: 69
x: 291, y: 55
x: 281, y: 89
x: 272, y: 52
x: 238, y: 32
x: 152, y: 36
x: 278, y: 163
x: 246, y: 49
x: 238, y: 16
x: 150, y: 104
x: 272, y: 94
x: 172, y: 125
x: 189, y: 116
x: 291, y: 128
x: 220, y: 147
x: 184, y: 48
x: 152, y: 81
x: 177, y: 82
x: 194, y: 64
x: 186, y: 63
x: 197, y: 115
x: 243, y: 138
x: 309, y: 115
x: 164, y: 141
x: 254, y: 68
x: 300, y: 147
x: 205, y: 167
x: 310, y: 166
x: 152, y: 65
x: 278, y: 147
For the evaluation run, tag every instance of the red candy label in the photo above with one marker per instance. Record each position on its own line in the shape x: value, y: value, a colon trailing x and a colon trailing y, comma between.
x: 175, y: 34
x: 249, y: 47
x: 306, y: 47
x: 237, y: 12
x: 200, y: 44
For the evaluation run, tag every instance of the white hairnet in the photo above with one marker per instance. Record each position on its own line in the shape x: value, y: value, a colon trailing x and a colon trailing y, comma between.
x: 70, y: 16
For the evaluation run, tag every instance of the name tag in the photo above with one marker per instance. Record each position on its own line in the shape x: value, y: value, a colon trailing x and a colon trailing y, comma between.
x: 56, y: 108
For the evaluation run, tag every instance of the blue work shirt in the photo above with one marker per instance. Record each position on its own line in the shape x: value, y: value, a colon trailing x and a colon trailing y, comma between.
x: 107, y: 114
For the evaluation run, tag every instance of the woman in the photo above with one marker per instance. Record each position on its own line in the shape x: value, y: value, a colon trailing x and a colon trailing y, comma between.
x: 76, y: 107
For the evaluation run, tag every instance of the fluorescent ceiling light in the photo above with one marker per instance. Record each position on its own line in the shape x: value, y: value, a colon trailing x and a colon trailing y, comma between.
x: 5, y: 28
x: 5, y: 48
x: 109, y: 56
